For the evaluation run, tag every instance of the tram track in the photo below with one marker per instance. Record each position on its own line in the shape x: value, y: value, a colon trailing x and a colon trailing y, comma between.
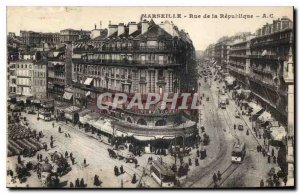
x: 225, y: 174
x: 196, y: 178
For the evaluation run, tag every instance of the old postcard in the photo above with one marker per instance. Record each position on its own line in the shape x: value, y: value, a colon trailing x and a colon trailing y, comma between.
x: 150, y: 97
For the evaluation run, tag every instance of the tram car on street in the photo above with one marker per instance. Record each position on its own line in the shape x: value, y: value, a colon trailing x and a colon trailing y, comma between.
x: 162, y: 174
x: 238, y: 152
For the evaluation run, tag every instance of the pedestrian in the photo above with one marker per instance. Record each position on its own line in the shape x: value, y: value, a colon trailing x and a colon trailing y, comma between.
x: 69, y: 135
x: 196, y: 162
x: 46, y: 159
x: 285, y: 180
x: 38, y: 157
x: 59, y: 129
x: 262, y: 184
x: 73, y: 161
x: 219, y: 175
x: 269, y: 159
x: 247, y: 133
x: 96, y: 180
x: 53, y: 124
x: 272, y: 152
x: 66, y: 154
x: 19, y: 159
x: 51, y: 138
x: 190, y: 161
x: 257, y: 148
x: 51, y: 144
x: 77, y: 182
x: 198, y: 153
x: 215, y: 178
x: 133, y: 181
x: 66, y: 135
x: 82, y: 183
x: 45, y: 146
x: 116, y: 171
x: 71, y: 155
x: 84, y: 162
x: 234, y: 126
x: 263, y: 152
x: 274, y: 159
x: 121, y: 169
x: 41, y: 157
x: 136, y: 163
x: 71, y: 185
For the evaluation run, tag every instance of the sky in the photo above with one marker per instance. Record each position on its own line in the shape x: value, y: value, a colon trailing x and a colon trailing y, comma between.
x: 203, y: 31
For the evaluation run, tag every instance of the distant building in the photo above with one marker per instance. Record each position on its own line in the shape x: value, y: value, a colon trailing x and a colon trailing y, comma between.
x: 31, y: 38
x: 39, y: 81
x: 59, y: 73
x: 71, y: 35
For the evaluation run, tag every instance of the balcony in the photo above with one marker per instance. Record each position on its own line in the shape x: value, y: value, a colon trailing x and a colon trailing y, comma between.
x: 129, y: 49
x: 268, y: 57
x: 142, y: 79
x: 126, y: 62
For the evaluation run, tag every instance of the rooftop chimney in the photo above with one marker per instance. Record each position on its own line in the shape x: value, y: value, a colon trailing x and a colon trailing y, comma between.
x: 112, y: 29
x: 121, y: 29
x: 132, y: 27
x: 145, y: 26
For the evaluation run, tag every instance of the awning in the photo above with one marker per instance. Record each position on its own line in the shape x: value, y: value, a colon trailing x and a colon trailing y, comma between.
x: 265, y: 116
x: 36, y: 101
x: 246, y: 91
x: 239, y: 91
x: 104, y: 125
x: 255, y: 108
x: 72, y: 109
x: 88, y: 81
x: 144, y: 138
x: 88, y: 93
x: 278, y: 133
x: 67, y: 96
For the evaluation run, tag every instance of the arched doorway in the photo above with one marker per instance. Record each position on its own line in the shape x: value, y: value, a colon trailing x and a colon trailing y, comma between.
x: 129, y: 120
x: 141, y: 122
x: 161, y: 122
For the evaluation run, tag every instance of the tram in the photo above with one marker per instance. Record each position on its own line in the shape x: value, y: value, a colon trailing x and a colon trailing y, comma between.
x: 238, y: 152
x: 163, y: 175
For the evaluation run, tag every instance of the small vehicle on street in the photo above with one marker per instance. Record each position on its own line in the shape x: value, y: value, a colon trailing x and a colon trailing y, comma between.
x: 237, y: 114
x: 122, y: 153
x: 241, y: 127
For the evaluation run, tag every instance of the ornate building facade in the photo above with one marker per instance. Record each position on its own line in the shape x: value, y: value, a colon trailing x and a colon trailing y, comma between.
x: 140, y: 58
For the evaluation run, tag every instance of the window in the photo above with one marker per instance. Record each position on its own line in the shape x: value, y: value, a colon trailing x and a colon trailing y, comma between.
x: 161, y: 59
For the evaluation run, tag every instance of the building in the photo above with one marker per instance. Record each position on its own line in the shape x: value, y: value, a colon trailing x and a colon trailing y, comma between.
x: 70, y: 35
x: 31, y: 38
x: 24, y: 75
x: 39, y: 81
x: 140, y: 58
x: 289, y: 71
x: 269, y: 52
x: 239, y: 60
x: 59, y: 73
x: 12, y: 78
x: 256, y: 61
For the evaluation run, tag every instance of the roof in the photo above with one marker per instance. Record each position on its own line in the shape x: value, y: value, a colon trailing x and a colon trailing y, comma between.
x: 155, y: 31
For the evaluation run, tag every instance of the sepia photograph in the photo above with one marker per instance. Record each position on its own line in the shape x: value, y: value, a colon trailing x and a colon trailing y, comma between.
x: 150, y: 97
